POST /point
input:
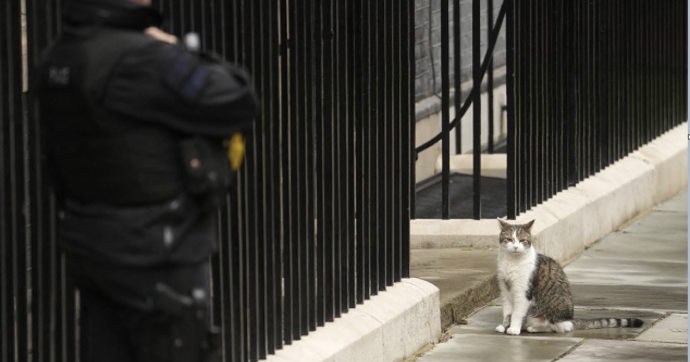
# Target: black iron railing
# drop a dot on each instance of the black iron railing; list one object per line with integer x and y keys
{"x": 589, "y": 82}
{"x": 319, "y": 221}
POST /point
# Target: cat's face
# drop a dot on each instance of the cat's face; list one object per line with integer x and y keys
{"x": 515, "y": 239}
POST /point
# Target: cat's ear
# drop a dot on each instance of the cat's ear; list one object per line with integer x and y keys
{"x": 528, "y": 226}
{"x": 504, "y": 225}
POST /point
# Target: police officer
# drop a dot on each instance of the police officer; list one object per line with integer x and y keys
{"x": 135, "y": 130}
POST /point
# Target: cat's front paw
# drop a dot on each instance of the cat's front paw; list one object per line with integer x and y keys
{"x": 531, "y": 329}
{"x": 500, "y": 328}
{"x": 514, "y": 331}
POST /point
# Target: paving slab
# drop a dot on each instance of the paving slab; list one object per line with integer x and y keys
{"x": 669, "y": 218}
{"x": 630, "y": 297}
{"x": 484, "y": 322}
{"x": 453, "y": 271}
{"x": 659, "y": 222}
{"x": 630, "y": 246}
{"x": 678, "y": 203}
{"x": 588, "y": 270}
{"x": 673, "y": 329}
{"x": 499, "y": 348}
{"x": 629, "y": 351}
{"x": 644, "y": 266}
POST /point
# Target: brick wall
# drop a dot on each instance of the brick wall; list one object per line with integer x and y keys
{"x": 428, "y": 43}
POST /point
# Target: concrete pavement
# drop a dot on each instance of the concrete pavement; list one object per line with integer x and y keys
{"x": 639, "y": 271}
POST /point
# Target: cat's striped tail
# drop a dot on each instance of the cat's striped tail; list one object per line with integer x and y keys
{"x": 597, "y": 323}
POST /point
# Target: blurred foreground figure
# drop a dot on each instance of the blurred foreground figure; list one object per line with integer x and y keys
{"x": 135, "y": 132}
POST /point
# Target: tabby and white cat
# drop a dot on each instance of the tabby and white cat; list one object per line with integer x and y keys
{"x": 536, "y": 293}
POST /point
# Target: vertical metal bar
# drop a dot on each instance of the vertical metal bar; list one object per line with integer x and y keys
{"x": 249, "y": 200}
{"x": 554, "y": 96}
{"x": 289, "y": 221}
{"x": 15, "y": 195}
{"x": 606, "y": 112}
{"x": 320, "y": 40}
{"x": 406, "y": 137}
{"x": 7, "y": 324}
{"x": 396, "y": 78}
{"x": 583, "y": 97}
{"x": 680, "y": 49}
{"x": 361, "y": 93}
{"x": 457, "y": 71}
{"x": 337, "y": 181}
{"x": 548, "y": 102}
{"x": 274, "y": 339}
{"x": 646, "y": 69}
{"x": 369, "y": 131}
{"x": 410, "y": 120}
{"x": 341, "y": 162}
{"x": 445, "y": 117}
{"x": 381, "y": 145}
{"x": 551, "y": 98}
{"x": 633, "y": 104}
{"x": 38, "y": 31}
{"x": 511, "y": 111}
{"x": 595, "y": 93}
{"x": 582, "y": 89}
{"x": 236, "y": 347}
{"x": 571, "y": 73}
{"x": 255, "y": 182}
{"x": 307, "y": 174}
{"x": 412, "y": 117}
{"x": 490, "y": 75}
{"x": 391, "y": 114}
{"x": 654, "y": 75}
{"x": 297, "y": 141}
{"x": 532, "y": 109}
{"x": 664, "y": 57}
{"x": 522, "y": 104}
{"x": 329, "y": 170}
{"x": 539, "y": 129}
{"x": 349, "y": 143}
{"x": 632, "y": 64}
{"x": 265, "y": 267}
{"x": 476, "y": 107}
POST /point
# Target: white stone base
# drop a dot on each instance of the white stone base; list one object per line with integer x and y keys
{"x": 390, "y": 327}
{"x": 583, "y": 214}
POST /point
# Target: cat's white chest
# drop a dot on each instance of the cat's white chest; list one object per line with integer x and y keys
{"x": 516, "y": 271}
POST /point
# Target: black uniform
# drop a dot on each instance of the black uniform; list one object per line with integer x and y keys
{"x": 119, "y": 109}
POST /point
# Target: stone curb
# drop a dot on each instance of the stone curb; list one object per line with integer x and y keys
{"x": 464, "y": 304}
{"x": 389, "y": 327}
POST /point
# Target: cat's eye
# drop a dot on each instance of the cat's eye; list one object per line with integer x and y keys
{"x": 523, "y": 241}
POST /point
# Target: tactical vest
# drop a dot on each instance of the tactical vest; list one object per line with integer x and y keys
{"x": 99, "y": 156}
